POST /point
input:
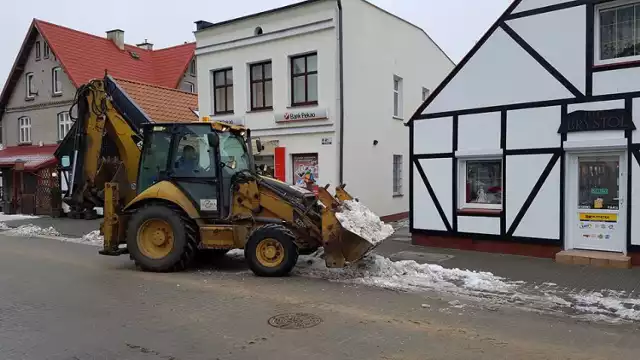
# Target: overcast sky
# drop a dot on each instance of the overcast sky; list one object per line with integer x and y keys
{"x": 454, "y": 24}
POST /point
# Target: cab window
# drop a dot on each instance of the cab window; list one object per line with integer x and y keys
{"x": 193, "y": 156}
{"x": 233, "y": 148}
{"x": 154, "y": 159}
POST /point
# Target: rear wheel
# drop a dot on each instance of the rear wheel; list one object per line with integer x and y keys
{"x": 160, "y": 240}
{"x": 271, "y": 251}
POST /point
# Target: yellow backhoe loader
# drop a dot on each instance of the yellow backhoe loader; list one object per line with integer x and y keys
{"x": 170, "y": 190}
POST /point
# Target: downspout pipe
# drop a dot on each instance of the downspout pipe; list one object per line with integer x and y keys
{"x": 341, "y": 66}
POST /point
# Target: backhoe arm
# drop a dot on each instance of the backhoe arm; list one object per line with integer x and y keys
{"x": 103, "y": 145}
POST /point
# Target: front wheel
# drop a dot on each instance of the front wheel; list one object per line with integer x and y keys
{"x": 159, "y": 241}
{"x": 271, "y": 251}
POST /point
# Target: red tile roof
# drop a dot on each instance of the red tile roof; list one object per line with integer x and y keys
{"x": 162, "y": 104}
{"x": 86, "y": 57}
{"x": 35, "y": 157}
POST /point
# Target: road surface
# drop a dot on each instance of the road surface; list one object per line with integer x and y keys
{"x": 63, "y": 301}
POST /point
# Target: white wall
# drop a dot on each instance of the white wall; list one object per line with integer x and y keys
{"x": 560, "y": 41}
{"x": 533, "y": 128}
{"x": 425, "y": 214}
{"x": 536, "y": 4}
{"x": 479, "y": 132}
{"x": 523, "y": 171}
{"x": 378, "y": 46}
{"x": 479, "y": 225}
{"x": 291, "y": 32}
{"x": 433, "y": 136}
{"x": 542, "y": 219}
{"x": 616, "y": 81}
{"x": 500, "y": 73}
{"x": 438, "y": 172}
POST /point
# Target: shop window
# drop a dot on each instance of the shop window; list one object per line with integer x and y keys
{"x": 616, "y": 31}
{"x": 598, "y": 183}
{"x": 24, "y": 123}
{"x": 397, "y": 175}
{"x": 223, "y": 91}
{"x": 261, "y": 84}
{"x": 480, "y": 184}
{"x": 64, "y": 124}
{"x": 304, "y": 79}
{"x": 397, "y": 97}
{"x": 305, "y": 170}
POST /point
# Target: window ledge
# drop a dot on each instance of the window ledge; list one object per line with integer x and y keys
{"x": 223, "y": 113}
{"x": 398, "y": 195}
{"x": 25, "y": 143}
{"x": 29, "y": 98}
{"x": 269, "y": 109}
{"x": 479, "y": 212}
{"x": 478, "y": 153}
{"x": 56, "y": 94}
{"x": 398, "y": 118}
{"x": 296, "y": 106}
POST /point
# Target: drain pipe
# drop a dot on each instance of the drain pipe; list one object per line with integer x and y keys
{"x": 341, "y": 65}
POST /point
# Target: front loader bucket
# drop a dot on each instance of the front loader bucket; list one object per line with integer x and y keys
{"x": 341, "y": 245}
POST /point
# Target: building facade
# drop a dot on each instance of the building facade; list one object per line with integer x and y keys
{"x": 324, "y": 90}
{"x": 36, "y": 100}
{"x": 530, "y": 145}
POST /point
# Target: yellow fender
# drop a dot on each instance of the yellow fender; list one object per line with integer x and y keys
{"x": 167, "y": 191}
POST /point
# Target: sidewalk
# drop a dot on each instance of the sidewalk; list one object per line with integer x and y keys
{"x": 535, "y": 272}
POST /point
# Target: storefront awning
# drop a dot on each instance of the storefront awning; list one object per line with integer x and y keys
{"x": 34, "y": 157}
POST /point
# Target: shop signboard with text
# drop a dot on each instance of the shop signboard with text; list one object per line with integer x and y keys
{"x": 302, "y": 115}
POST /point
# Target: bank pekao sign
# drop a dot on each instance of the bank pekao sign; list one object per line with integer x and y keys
{"x": 231, "y": 120}
{"x": 301, "y": 115}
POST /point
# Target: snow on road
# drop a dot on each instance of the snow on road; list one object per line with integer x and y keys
{"x": 407, "y": 275}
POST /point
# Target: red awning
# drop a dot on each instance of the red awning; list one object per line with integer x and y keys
{"x": 34, "y": 157}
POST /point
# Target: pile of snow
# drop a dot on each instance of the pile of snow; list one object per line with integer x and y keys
{"x": 92, "y": 238}
{"x": 606, "y": 306}
{"x": 4, "y": 226}
{"x": 31, "y": 230}
{"x": 361, "y": 221}
{"x": 405, "y": 275}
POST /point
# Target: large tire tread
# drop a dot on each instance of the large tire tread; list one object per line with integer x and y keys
{"x": 275, "y": 231}
{"x": 189, "y": 249}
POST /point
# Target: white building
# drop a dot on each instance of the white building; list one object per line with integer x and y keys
{"x": 325, "y": 85}
{"x": 529, "y": 146}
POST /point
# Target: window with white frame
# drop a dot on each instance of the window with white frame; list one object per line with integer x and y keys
{"x": 192, "y": 67}
{"x": 397, "y": 175}
{"x": 64, "y": 124}
{"x": 56, "y": 80}
{"x": 617, "y": 28}
{"x": 425, "y": 93}
{"x": 30, "y": 86}
{"x": 190, "y": 87}
{"x": 480, "y": 183}
{"x": 397, "y": 96}
{"x": 24, "y": 123}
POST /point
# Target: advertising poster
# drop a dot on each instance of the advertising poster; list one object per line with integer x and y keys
{"x": 305, "y": 170}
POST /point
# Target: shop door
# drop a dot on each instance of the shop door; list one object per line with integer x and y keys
{"x": 596, "y": 188}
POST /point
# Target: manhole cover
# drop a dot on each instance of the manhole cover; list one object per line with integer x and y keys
{"x": 295, "y": 321}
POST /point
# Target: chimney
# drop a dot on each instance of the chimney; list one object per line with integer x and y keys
{"x": 145, "y": 45}
{"x": 117, "y": 36}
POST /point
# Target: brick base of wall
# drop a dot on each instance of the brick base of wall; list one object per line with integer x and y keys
{"x": 395, "y": 217}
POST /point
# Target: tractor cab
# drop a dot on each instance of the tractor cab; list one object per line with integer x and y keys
{"x": 199, "y": 158}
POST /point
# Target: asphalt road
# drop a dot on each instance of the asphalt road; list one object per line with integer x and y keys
{"x": 64, "y": 301}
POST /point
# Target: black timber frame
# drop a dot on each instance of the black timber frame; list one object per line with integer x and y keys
{"x": 558, "y": 153}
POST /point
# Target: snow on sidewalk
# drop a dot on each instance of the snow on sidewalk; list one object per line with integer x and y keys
{"x": 10, "y": 217}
